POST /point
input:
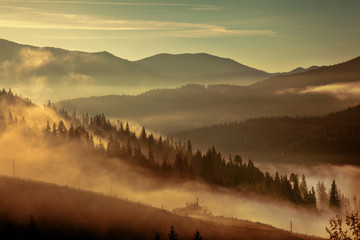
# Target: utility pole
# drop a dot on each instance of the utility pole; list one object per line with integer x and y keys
{"x": 290, "y": 226}
{"x": 13, "y": 167}
{"x": 111, "y": 188}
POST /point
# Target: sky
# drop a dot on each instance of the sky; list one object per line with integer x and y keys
{"x": 274, "y": 36}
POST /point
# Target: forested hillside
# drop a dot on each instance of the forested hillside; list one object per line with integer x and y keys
{"x": 280, "y": 138}
{"x": 166, "y": 158}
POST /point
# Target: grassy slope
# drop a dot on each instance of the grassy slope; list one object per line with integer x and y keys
{"x": 60, "y": 206}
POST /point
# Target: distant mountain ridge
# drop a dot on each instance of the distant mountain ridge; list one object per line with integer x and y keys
{"x": 56, "y": 67}
{"x": 296, "y": 70}
{"x": 345, "y": 72}
{"x": 61, "y": 66}
{"x": 193, "y": 65}
{"x": 194, "y": 105}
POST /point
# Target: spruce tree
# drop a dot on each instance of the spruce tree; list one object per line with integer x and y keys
{"x": 303, "y": 189}
{"x": 172, "y": 234}
{"x": 334, "y": 201}
{"x": 143, "y": 136}
{"x": 197, "y": 235}
{"x": 47, "y": 128}
{"x": 322, "y": 196}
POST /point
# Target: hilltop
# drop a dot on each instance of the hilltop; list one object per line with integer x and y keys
{"x": 203, "y": 68}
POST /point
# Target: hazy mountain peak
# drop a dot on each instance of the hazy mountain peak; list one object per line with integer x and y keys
{"x": 192, "y": 65}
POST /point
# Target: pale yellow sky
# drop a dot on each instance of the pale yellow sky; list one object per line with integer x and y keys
{"x": 276, "y": 36}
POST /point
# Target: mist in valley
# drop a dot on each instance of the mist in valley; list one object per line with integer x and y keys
{"x": 237, "y": 119}
{"x": 37, "y": 157}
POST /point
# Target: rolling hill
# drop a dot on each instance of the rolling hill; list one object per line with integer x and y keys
{"x": 58, "y": 212}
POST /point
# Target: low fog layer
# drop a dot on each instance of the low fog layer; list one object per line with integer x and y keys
{"x": 71, "y": 164}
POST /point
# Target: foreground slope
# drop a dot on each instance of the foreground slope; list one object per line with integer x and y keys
{"x": 59, "y": 212}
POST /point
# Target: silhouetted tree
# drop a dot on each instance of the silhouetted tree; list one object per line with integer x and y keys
{"x": 197, "y": 235}
{"x": 336, "y": 230}
{"x": 303, "y": 189}
{"x": 238, "y": 160}
{"x": 334, "y": 201}
{"x": 294, "y": 180}
{"x": 61, "y": 128}
{"x": 71, "y": 132}
{"x": 312, "y": 198}
{"x": 172, "y": 234}
{"x": 127, "y": 129}
{"x": 47, "y": 128}
{"x": 353, "y": 221}
{"x": 143, "y": 136}
{"x": 157, "y": 236}
{"x": 54, "y": 131}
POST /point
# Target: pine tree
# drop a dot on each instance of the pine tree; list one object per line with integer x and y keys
{"x": 47, "y": 128}
{"x": 127, "y": 129}
{"x": 312, "y": 197}
{"x": 238, "y": 160}
{"x": 334, "y": 201}
{"x": 296, "y": 195}
{"x": 143, "y": 136}
{"x": 304, "y": 189}
{"x": 322, "y": 196}
{"x": 172, "y": 234}
{"x": 61, "y": 128}
{"x": 54, "y": 131}
{"x": 71, "y": 132}
{"x": 197, "y": 235}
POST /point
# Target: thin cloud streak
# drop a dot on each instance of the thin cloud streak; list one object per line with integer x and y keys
{"x": 218, "y": 32}
{"x": 27, "y": 18}
{"x": 340, "y": 90}
{"x": 140, "y": 4}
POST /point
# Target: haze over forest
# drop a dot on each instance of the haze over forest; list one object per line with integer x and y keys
{"x": 181, "y": 120}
